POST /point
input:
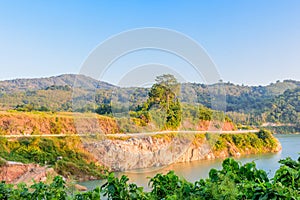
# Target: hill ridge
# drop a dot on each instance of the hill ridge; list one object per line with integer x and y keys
{"x": 32, "y": 84}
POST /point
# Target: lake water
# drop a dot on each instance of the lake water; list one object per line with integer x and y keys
{"x": 193, "y": 171}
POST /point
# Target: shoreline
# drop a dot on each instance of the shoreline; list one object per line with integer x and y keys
{"x": 160, "y": 150}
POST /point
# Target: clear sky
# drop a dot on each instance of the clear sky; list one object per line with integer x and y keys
{"x": 253, "y": 42}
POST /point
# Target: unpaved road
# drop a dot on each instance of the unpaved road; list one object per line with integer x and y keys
{"x": 132, "y": 134}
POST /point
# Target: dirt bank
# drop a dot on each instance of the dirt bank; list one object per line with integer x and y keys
{"x": 15, "y": 172}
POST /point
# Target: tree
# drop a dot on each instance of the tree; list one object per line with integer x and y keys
{"x": 174, "y": 115}
{"x": 104, "y": 109}
{"x": 164, "y": 93}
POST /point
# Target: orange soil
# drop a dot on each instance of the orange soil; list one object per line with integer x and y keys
{"x": 15, "y": 123}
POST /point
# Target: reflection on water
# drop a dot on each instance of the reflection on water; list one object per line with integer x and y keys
{"x": 193, "y": 171}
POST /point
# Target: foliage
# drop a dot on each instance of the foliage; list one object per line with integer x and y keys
{"x": 75, "y": 162}
{"x": 248, "y": 105}
{"x": 174, "y": 117}
{"x": 104, "y": 109}
{"x": 169, "y": 185}
{"x": 2, "y": 162}
{"x": 116, "y": 188}
{"x": 245, "y": 143}
{"x": 142, "y": 117}
{"x": 164, "y": 93}
{"x": 251, "y": 106}
{"x": 286, "y": 107}
{"x": 162, "y": 98}
{"x": 56, "y": 126}
{"x": 56, "y": 190}
{"x": 283, "y": 129}
{"x": 234, "y": 181}
{"x": 205, "y": 114}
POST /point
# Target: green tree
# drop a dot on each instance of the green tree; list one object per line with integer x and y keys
{"x": 174, "y": 115}
{"x": 104, "y": 109}
{"x": 164, "y": 93}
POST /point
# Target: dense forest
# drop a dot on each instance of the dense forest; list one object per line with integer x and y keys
{"x": 275, "y": 106}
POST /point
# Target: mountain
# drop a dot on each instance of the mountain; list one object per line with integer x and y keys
{"x": 286, "y": 107}
{"x": 277, "y": 102}
{"x": 240, "y": 98}
{"x": 24, "y": 85}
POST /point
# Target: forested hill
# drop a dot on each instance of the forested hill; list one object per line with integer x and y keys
{"x": 66, "y": 80}
{"x": 276, "y": 102}
{"x": 286, "y": 107}
{"x": 19, "y": 85}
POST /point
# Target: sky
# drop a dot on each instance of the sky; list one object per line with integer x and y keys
{"x": 251, "y": 42}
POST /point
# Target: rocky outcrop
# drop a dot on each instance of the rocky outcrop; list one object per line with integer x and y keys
{"x": 152, "y": 151}
{"x": 80, "y": 187}
{"x": 134, "y": 153}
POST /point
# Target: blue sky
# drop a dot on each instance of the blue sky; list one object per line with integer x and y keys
{"x": 252, "y": 42}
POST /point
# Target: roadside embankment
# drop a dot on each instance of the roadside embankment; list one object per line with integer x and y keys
{"x": 35, "y": 123}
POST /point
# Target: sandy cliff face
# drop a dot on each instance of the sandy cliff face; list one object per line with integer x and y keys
{"x": 135, "y": 153}
{"x": 151, "y": 151}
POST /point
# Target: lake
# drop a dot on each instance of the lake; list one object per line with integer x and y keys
{"x": 193, "y": 171}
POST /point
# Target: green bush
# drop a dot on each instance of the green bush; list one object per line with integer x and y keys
{"x": 55, "y": 127}
{"x": 233, "y": 181}
{"x": 2, "y": 162}
{"x": 263, "y": 134}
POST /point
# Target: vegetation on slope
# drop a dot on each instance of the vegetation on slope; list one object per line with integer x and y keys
{"x": 225, "y": 145}
{"x": 164, "y": 110}
{"x": 69, "y": 158}
{"x": 286, "y": 108}
{"x": 18, "y": 85}
{"x": 248, "y": 105}
{"x": 233, "y": 181}
{"x": 250, "y": 143}
{"x": 66, "y": 155}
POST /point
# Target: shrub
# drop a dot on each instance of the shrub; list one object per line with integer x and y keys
{"x": 233, "y": 181}
{"x": 2, "y": 162}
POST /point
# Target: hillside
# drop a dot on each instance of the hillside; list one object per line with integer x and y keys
{"x": 24, "y": 85}
{"x": 65, "y": 82}
{"x": 240, "y": 98}
{"x": 250, "y": 105}
{"x": 286, "y": 107}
